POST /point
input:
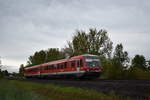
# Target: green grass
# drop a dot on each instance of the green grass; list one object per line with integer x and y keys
{"x": 10, "y": 91}
{"x": 17, "y": 90}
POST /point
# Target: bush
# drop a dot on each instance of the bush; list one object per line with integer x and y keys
{"x": 112, "y": 71}
{"x": 137, "y": 73}
{"x": 1, "y": 75}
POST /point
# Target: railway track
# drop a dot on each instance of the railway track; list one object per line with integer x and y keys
{"x": 132, "y": 88}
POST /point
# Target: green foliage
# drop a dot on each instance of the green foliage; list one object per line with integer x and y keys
{"x": 53, "y": 54}
{"x": 9, "y": 91}
{"x": 44, "y": 56}
{"x": 138, "y": 73}
{"x": 148, "y": 65}
{"x": 80, "y": 43}
{"x": 120, "y": 57}
{"x": 68, "y": 50}
{"x": 111, "y": 70}
{"x": 56, "y": 92}
{"x": 139, "y": 62}
{"x": 115, "y": 68}
{"x": 37, "y": 58}
{"x": 21, "y": 70}
{"x": 1, "y": 74}
{"x": 98, "y": 43}
{"x": 92, "y": 42}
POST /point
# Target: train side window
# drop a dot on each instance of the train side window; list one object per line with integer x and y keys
{"x": 35, "y": 70}
{"x": 62, "y": 65}
{"x": 58, "y": 66}
{"x": 45, "y": 68}
{"x": 65, "y": 64}
{"x": 52, "y": 67}
{"x": 78, "y": 63}
{"x": 81, "y": 62}
{"x": 72, "y": 63}
{"x": 49, "y": 67}
{"x": 28, "y": 70}
{"x": 55, "y": 66}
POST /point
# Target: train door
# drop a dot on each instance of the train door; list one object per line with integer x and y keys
{"x": 78, "y": 65}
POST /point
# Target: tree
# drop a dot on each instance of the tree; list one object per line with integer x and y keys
{"x": 120, "y": 57}
{"x": 5, "y": 73}
{"x": 37, "y": 58}
{"x": 1, "y": 74}
{"x": 21, "y": 70}
{"x": 139, "y": 62}
{"x": 148, "y": 65}
{"x": 92, "y": 42}
{"x": 0, "y": 65}
{"x": 116, "y": 65}
{"x": 67, "y": 50}
{"x": 53, "y": 54}
{"x": 99, "y": 43}
{"x": 44, "y": 56}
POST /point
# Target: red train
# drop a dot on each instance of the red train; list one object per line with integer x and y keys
{"x": 86, "y": 65}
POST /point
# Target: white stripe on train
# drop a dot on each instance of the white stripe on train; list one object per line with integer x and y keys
{"x": 59, "y": 73}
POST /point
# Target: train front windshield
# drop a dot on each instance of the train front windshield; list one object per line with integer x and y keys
{"x": 92, "y": 61}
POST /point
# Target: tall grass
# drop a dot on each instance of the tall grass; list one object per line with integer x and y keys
{"x": 17, "y": 90}
{"x": 9, "y": 91}
{"x": 67, "y": 93}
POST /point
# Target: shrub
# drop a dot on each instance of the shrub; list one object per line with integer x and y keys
{"x": 138, "y": 73}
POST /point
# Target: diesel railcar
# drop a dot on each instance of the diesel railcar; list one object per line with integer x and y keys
{"x": 81, "y": 66}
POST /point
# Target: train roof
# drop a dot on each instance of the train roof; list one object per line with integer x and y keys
{"x": 89, "y": 55}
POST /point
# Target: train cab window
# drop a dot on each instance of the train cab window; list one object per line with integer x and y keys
{"x": 72, "y": 64}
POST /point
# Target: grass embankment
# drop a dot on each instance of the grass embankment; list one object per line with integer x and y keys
{"x": 10, "y": 91}
{"x": 17, "y": 90}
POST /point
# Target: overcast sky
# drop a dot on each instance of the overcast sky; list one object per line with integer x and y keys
{"x": 27, "y": 26}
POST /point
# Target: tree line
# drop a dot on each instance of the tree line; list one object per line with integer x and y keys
{"x": 115, "y": 60}
{"x": 3, "y": 72}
